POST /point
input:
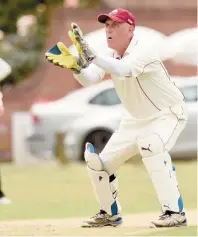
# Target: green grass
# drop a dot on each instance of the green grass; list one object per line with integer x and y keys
{"x": 55, "y": 191}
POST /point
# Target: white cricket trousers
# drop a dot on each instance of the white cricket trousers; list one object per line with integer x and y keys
{"x": 123, "y": 143}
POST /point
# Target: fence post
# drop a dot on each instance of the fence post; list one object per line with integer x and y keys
{"x": 59, "y": 149}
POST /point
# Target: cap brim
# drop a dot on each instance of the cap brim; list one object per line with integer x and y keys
{"x": 102, "y": 18}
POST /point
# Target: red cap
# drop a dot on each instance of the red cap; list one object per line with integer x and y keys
{"x": 118, "y": 15}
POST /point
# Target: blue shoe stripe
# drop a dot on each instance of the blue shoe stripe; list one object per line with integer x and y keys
{"x": 114, "y": 208}
{"x": 173, "y": 167}
{"x": 180, "y": 204}
{"x": 180, "y": 201}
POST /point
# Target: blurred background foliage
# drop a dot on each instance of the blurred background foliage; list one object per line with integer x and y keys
{"x": 23, "y": 52}
{"x": 11, "y": 10}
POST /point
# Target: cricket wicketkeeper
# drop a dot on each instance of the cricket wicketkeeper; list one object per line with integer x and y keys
{"x": 157, "y": 115}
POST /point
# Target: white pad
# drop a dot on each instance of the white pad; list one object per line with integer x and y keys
{"x": 93, "y": 160}
{"x": 106, "y": 191}
{"x": 164, "y": 181}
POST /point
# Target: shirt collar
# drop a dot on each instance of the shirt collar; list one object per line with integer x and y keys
{"x": 131, "y": 45}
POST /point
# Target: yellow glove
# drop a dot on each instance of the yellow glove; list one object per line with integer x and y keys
{"x": 73, "y": 36}
{"x": 59, "y": 55}
{"x": 86, "y": 55}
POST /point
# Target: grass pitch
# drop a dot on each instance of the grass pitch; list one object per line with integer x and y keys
{"x": 60, "y": 192}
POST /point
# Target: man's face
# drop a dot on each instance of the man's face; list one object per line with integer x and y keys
{"x": 117, "y": 34}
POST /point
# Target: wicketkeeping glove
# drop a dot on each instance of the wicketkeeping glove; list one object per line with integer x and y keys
{"x": 59, "y": 55}
{"x": 86, "y": 55}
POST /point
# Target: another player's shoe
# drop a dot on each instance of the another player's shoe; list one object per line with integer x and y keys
{"x": 103, "y": 219}
{"x": 5, "y": 201}
{"x": 170, "y": 219}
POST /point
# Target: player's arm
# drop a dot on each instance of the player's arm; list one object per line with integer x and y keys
{"x": 113, "y": 66}
{"x": 129, "y": 65}
{"x": 105, "y": 63}
{"x": 90, "y": 75}
{"x": 134, "y": 64}
{"x": 1, "y": 104}
{"x": 5, "y": 69}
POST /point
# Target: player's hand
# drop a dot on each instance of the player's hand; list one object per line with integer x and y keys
{"x": 1, "y": 104}
{"x": 59, "y": 55}
{"x": 86, "y": 54}
{"x": 76, "y": 36}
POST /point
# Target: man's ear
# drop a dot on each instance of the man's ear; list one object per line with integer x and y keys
{"x": 131, "y": 30}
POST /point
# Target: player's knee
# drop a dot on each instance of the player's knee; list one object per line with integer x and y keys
{"x": 150, "y": 145}
{"x": 93, "y": 160}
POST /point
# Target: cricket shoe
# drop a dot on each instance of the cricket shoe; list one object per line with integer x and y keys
{"x": 5, "y": 201}
{"x": 103, "y": 219}
{"x": 170, "y": 219}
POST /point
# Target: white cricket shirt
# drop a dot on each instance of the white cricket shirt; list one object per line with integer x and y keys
{"x": 146, "y": 91}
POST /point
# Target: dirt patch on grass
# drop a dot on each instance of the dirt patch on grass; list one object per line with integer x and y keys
{"x": 136, "y": 224}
